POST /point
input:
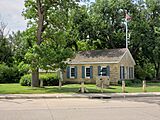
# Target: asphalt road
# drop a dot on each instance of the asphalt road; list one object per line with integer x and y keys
{"x": 80, "y": 109}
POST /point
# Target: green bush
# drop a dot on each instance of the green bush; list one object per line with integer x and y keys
{"x": 49, "y": 79}
{"x": 131, "y": 82}
{"x": 9, "y": 74}
{"x": 147, "y": 72}
{"x": 25, "y": 80}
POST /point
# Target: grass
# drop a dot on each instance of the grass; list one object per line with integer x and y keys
{"x": 71, "y": 88}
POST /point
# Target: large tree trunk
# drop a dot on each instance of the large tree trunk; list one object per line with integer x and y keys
{"x": 40, "y": 29}
{"x": 35, "y": 78}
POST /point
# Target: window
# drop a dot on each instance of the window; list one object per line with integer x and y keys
{"x": 104, "y": 71}
{"x": 72, "y": 75}
{"x": 71, "y": 72}
{"x": 127, "y": 72}
{"x": 131, "y": 72}
{"x": 88, "y": 71}
{"x": 122, "y": 72}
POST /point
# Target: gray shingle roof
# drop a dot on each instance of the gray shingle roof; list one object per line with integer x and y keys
{"x": 105, "y": 55}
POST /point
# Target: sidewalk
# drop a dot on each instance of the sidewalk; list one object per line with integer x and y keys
{"x": 85, "y": 95}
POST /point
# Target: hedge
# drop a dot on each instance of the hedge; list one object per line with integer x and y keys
{"x": 49, "y": 79}
{"x": 131, "y": 82}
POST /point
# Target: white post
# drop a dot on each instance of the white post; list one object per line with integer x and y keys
{"x": 102, "y": 86}
{"x": 41, "y": 83}
{"x": 144, "y": 86}
{"x": 60, "y": 78}
{"x": 123, "y": 86}
{"x": 126, "y": 33}
{"x": 60, "y": 83}
{"x": 82, "y": 86}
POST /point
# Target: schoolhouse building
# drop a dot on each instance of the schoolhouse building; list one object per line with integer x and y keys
{"x": 117, "y": 64}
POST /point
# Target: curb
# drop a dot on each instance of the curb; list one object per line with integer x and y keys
{"x": 89, "y": 96}
{"x": 132, "y": 96}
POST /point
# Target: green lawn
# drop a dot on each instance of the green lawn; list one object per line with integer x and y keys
{"x": 70, "y": 88}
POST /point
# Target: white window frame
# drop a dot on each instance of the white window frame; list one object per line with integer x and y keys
{"x": 85, "y": 71}
{"x": 104, "y": 67}
{"x": 70, "y": 72}
{"x": 127, "y": 72}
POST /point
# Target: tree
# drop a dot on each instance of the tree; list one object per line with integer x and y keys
{"x": 5, "y": 51}
{"x": 50, "y": 21}
{"x": 101, "y": 25}
{"x": 151, "y": 46}
{"x": 19, "y": 44}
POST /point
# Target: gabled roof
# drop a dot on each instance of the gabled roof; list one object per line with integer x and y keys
{"x": 99, "y": 56}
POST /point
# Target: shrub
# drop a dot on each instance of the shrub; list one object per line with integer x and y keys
{"x": 25, "y": 80}
{"x": 9, "y": 74}
{"x": 131, "y": 82}
{"x": 49, "y": 79}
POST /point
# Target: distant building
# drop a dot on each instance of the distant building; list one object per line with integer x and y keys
{"x": 118, "y": 64}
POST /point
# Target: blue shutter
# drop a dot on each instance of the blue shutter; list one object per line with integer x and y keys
{"x": 75, "y": 68}
{"x": 129, "y": 72}
{"x": 121, "y": 72}
{"x": 108, "y": 71}
{"x": 91, "y": 71}
{"x": 83, "y": 71}
{"x": 99, "y": 69}
{"x": 132, "y": 72}
{"x": 68, "y": 72}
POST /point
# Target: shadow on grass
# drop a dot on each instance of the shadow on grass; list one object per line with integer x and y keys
{"x": 111, "y": 88}
{"x": 67, "y": 89}
{"x": 98, "y": 91}
{"x": 55, "y": 89}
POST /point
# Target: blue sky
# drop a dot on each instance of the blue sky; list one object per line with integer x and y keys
{"x": 10, "y": 13}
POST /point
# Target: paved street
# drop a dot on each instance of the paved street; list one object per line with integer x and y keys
{"x": 80, "y": 109}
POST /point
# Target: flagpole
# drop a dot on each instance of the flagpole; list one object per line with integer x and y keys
{"x": 126, "y": 34}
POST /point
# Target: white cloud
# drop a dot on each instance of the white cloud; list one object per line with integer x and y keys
{"x": 10, "y": 12}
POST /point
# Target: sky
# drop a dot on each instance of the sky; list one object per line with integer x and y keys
{"x": 11, "y": 14}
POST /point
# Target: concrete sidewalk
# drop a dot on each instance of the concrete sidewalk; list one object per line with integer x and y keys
{"x": 85, "y": 95}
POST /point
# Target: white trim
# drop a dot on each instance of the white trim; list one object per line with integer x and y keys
{"x": 104, "y": 66}
{"x": 85, "y": 71}
{"x": 70, "y": 72}
{"x": 127, "y": 72}
{"x": 123, "y": 73}
{"x": 121, "y": 65}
